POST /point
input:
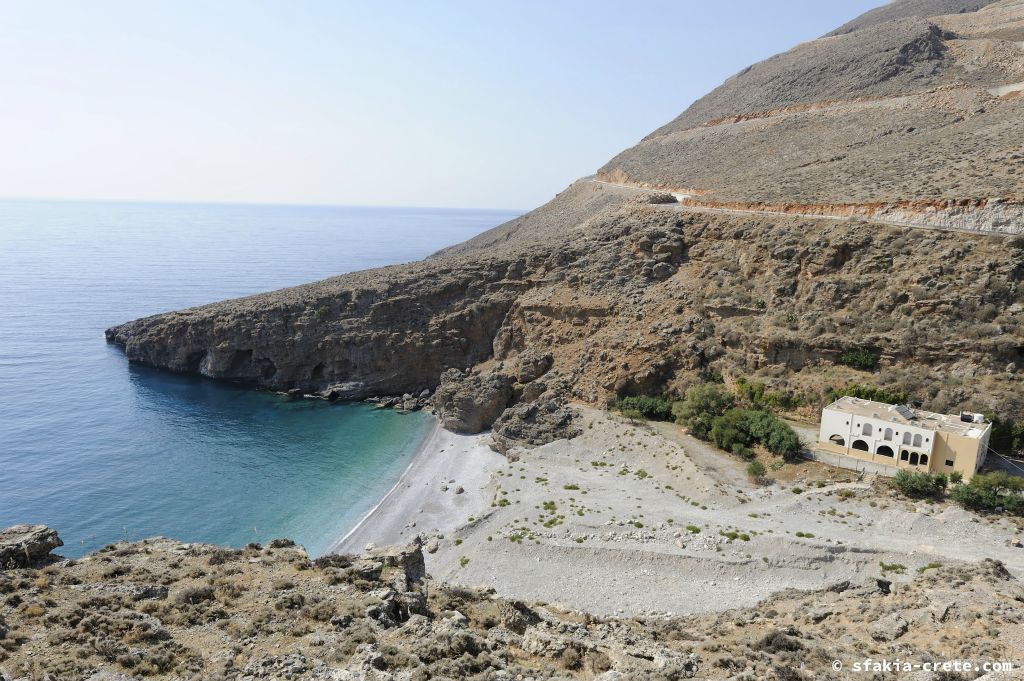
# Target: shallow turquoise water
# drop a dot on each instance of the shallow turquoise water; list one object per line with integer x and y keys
{"x": 102, "y": 450}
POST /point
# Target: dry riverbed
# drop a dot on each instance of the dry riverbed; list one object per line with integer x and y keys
{"x": 642, "y": 519}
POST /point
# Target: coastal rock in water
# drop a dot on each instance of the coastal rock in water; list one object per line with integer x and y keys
{"x": 26, "y": 545}
{"x": 470, "y": 403}
{"x": 534, "y": 424}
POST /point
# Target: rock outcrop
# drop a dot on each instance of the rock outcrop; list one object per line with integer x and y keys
{"x": 271, "y": 612}
{"x": 469, "y": 403}
{"x": 27, "y": 545}
{"x": 533, "y": 423}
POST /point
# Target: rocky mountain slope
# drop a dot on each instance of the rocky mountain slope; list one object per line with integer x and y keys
{"x": 165, "y": 610}
{"x": 630, "y": 292}
{"x": 925, "y": 112}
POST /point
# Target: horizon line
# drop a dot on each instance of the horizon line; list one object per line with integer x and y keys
{"x": 266, "y": 204}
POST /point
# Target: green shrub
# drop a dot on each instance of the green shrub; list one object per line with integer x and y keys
{"x": 920, "y": 485}
{"x": 867, "y": 392}
{"x": 654, "y": 408}
{"x": 989, "y": 492}
{"x": 709, "y": 412}
{"x": 729, "y": 431}
{"x": 633, "y": 414}
{"x": 776, "y": 435}
{"x": 756, "y": 395}
{"x": 898, "y": 568}
{"x": 703, "y": 402}
{"x": 860, "y": 358}
{"x": 756, "y": 470}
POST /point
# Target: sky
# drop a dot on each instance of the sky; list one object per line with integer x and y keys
{"x": 444, "y": 103}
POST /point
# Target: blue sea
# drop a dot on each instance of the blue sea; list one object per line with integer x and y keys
{"x": 102, "y": 450}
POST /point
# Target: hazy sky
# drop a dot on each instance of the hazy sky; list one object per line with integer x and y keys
{"x": 462, "y": 104}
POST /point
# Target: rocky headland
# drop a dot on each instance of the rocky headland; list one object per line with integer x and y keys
{"x": 886, "y": 123}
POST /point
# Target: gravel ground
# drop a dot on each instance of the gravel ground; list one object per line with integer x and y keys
{"x": 615, "y": 540}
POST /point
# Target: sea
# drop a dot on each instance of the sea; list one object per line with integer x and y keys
{"x": 103, "y": 450}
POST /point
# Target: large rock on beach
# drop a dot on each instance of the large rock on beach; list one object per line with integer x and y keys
{"x": 469, "y": 403}
{"x": 533, "y": 424}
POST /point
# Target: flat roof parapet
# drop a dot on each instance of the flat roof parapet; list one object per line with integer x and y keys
{"x": 898, "y": 413}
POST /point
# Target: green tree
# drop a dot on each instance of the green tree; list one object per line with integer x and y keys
{"x": 729, "y": 432}
{"x": 992, "y": 491}
{"x": 654, "y": 408}
{"x": 703, "y": 402}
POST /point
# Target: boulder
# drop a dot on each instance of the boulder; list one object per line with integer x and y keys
{"x": 533, "y": 365}
{"x": 469, "y": 403}
{"x": 534, "y": 424}
{"x": 889, "y": 628}
{"x": 26, "y": 545}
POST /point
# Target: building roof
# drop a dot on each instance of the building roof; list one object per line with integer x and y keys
{"x": 898, "y": 413}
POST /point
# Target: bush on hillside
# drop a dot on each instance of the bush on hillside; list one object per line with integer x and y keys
{"x": 860, "y": 358}
{"x": 867, "y": 392}
{"x": 920, "y": 485}
{"x": 755, "y": 394}
{"x": 653, "y": 408}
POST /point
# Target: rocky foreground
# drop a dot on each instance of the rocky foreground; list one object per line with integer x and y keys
{"x": 163, "y": 609}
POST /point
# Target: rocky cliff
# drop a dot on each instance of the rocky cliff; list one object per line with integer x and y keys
{"x": 166, "y": 610}
{"x": 893, "y": 118}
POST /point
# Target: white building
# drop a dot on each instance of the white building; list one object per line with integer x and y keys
{"x": 902, "y": 437}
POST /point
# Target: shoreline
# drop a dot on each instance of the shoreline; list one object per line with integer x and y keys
{"x": 424, "y": 500}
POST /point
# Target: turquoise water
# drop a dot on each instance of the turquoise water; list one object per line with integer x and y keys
{"x": 102, "y": 450}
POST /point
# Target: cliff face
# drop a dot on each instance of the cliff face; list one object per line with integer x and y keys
{"x": 630, "y": 294}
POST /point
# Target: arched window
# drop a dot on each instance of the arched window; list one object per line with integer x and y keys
{"x": 860, "y": 445}
{"x": 906, "y": 438}
{"x": 866, "y": 429}
{"x": 904, "y": 455}
{"x": 913, "y": 458}
{"x": 837, "y": 439}
{"x": 924, "y": 459}
{"x": 886, "y": 450}
{"x": 917, "y": 440}
{"x": 887, "y": 434}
